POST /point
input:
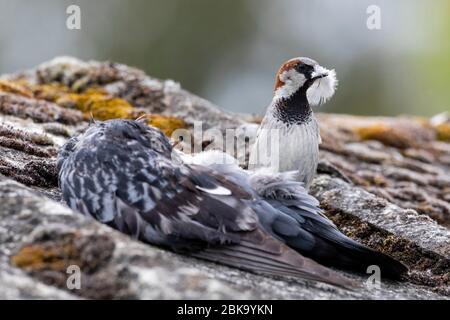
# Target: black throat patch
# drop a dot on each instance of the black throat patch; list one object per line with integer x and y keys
{"x": 295, "y": 109}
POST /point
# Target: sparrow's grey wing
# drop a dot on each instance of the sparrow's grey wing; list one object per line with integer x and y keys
{"x": 299, "y": 222}
{"x": 121, "y": 174}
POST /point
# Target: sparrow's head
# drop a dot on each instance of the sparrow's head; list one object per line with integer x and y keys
{"x": 304, "y": 74}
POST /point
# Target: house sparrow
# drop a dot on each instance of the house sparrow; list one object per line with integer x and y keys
{"x": 125, "y": 174}
{"x": 288, "y": 142}
{"x": 288, "y": 138}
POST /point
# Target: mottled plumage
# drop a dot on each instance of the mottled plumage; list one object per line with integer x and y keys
{"x": 124, "y": 174}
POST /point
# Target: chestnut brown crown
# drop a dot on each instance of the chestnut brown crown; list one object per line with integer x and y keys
{"x": 300, "y": 64}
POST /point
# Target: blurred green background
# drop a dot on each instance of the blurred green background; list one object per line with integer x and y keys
{"x": 228, "y": 50}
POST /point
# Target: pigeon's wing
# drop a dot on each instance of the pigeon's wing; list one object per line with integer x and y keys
{"x": 189, "y": 209}
{"x": 144, "y": 195}
{"x": 300, "y": 223}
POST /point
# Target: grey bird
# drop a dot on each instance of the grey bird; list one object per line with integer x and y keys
{"x": 125, "y": 174}
{"x": 288, "y": 141}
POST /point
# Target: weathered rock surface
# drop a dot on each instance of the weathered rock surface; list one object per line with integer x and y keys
{"x": 44, "y": 238}
{"x": 383, "y": 181}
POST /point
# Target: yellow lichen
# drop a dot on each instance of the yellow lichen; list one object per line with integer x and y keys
{"x": 50, "y": 92}
{"x": 92, "y": 102}
{"x": 443, "y": 131}
{"x": 166, "y": 124}
{"x": 100, "y": 105}
{"x": 15, "y": 87}
{"x": 39, "y": 257}
{"x": 401, "y": 135}
{"x": 372, "y": 132}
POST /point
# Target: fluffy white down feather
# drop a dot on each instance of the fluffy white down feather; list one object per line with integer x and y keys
{"x": 322, "y": 89}
{"x": 207, "y": 158}
{"x": 264, "y": 181}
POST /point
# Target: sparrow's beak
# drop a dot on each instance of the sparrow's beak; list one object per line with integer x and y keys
{"x": 318, "y": 76}
{"x": 319, "y": 72}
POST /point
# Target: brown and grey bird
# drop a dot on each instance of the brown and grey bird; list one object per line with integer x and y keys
{"x": 289, "y": 127}
{"x": 123, "y": 173}
{"x": 288, "y": 141}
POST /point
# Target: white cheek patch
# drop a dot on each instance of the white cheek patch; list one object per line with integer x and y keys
{"x": 292, "y": 82}
{"x": 322, "y": 89}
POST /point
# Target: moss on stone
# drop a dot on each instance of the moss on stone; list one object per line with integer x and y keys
{"x": 443, "y": 131}
{"x": 39, "y": 257}
{"x": 15, "y": 87}
{"x": 100, "y": 106}
{"x": 49, "y": 257}
{"x": 57, "y": 252}
{"x": 50, "y": 92}
{"x": 92, "y": 102}
{"x": 402, "y": 135}
{"x": 166, "y": 124}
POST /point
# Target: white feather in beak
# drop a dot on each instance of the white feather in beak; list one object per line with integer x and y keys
{"x": 323, "y": 88}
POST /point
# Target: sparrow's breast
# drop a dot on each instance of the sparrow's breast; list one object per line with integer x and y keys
{"x": 301, "y": 150}
{"x": 280, "y": 147}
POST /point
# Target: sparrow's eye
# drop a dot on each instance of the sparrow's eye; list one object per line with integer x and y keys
{"x": 303, "y": 68}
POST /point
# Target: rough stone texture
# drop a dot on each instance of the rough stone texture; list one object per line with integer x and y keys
{"x": 336, "y": 194}
{"x": 43, "y": 238}
{"x": 16, "y": 285}
{"x": 399, "y": 159}
{"x": 142, "y": 91}
{"x": 383, "y": 181}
